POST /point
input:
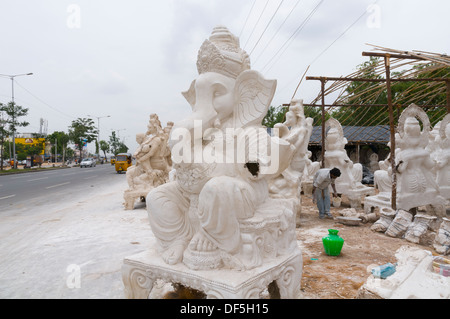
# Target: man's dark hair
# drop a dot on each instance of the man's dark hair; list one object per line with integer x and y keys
{"x": 335, "y": 171}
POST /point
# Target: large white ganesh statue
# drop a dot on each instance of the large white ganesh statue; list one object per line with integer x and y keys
{"x": 216, "y": 227}
{"x": 297, "y": 130}
{"x": 349, "y": 183}
{"x": 152, "y": 162}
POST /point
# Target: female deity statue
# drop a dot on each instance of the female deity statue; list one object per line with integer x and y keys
{"x": 336, "y": 156}
{"x": 416, "y": 184}
{"x": 288, "y": 183}
{"x": 443, "y": 160}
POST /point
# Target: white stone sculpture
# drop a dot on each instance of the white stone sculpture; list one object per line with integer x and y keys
{"x": 296, "y": 130}
{"x": 400, "y": 224}
{"x": 442, "y": 158}
{"x": 311, "y": 169}
{"x": 413, "y": 279}
{"x": 152, "y": 162}
{"x": 416, "y": 185}
{"x": 373, "y": 162}
{"x": 349, "y": 183}
{"x": 419, "y": 231}
{"x": 387, "y": 215}
{"x": 383, "y": 175}
{"x": 217, "y": 228}
{"x": 442, "y": 240}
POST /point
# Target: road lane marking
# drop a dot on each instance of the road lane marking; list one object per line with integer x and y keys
{"x": 90, "y": 177}
{"x": 37, "y": 179}
{"x": 7, "y": 197}
{"x": 57, "y": 185}
{"x": 70, "y": 174}
{"x": 18, "y": 177}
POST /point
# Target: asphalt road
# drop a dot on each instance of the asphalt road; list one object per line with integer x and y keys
{"x": 18, "y": 191}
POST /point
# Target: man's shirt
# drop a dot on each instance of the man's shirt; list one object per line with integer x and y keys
{"x": 322, "y": 178}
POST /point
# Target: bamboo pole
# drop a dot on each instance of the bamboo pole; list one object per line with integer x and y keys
{"x": 391, "y": 124}
{"x": 322, "y": 82}
{"x": 448, "y": 95}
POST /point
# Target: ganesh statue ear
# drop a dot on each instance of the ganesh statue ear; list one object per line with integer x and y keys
{"x": 253, "y": 94}
{"x": 189, "y": 95}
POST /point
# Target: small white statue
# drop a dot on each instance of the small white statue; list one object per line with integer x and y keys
{"x": 349, "y": 183}
{"x": 373, "y": 162}
{"x": 443, "y": 158}
{"x": 296, "y": 130}
{"x": 152, "y": 162}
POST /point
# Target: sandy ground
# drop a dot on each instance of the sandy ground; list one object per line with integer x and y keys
{"x": 340, "y": 277}
{"x": 75, "y": 249}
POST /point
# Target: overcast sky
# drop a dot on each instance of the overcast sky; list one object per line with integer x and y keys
{"x": 128, "y": 59}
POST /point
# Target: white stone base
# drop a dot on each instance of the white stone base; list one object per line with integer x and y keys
{"x": 140, "y": 271}
{"x": 380, "y": 201}
{"x": 130, "y": 197}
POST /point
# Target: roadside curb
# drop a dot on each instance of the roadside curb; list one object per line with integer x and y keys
{"x": 34, "y": 170}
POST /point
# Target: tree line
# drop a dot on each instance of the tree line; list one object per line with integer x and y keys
{"x": 81, "y": 132}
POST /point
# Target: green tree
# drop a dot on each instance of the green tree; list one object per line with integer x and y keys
{"x": 59, "y": 139}
{"x": 104, "y": 146}
{"x": 274, "y": 115}
{"x": 11, "y": 123}
{"x": 122, "y": 148}
{"x": 114, "y": 143}
{"x": 24, "y": 151}
{"x": 82, "y": 130}
{"x": 361, "y": 93}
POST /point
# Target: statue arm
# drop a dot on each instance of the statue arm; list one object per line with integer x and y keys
{"x": 153, "y": 149}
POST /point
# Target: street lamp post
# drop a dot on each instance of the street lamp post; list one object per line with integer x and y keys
{"x": 98, "y": 133}
{"x": 14, "y": 129}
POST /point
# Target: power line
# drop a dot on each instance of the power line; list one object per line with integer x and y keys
{"x": 254, "y": 27}
{"x": 300, "y": 28}
{"x": 246, "y": 20}
{"x": 273, "y": 15}
{"x": 334, "y": 41}
{"x": 341, "y": 35}
{"x": 43, "y": 102}
{"x": 270, "y": 41}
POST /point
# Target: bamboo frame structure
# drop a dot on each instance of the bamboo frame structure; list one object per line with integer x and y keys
{"x": 434, "y": 61}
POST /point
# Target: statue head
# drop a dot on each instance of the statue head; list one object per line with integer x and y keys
{"x": 154, "y": 125}
{"x": 226, "y": 93}
{"x": 140, "y": 138}
{"x": 295, "y": 115}
{"x": 412, "y": 127}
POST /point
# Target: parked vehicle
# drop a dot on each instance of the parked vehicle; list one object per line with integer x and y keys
{"x": 88, "y": 162}
{"x": 123, "y": 161}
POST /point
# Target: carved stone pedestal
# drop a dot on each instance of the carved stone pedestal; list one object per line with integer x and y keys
{"x": 140, "y": 271}
{"x": 382, "y": 200}
{"x": 354, "y": 195}
{"x": 130, "y": 197}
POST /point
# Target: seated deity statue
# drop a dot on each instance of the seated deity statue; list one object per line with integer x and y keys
{"x": 152, "y": 162}
{"x": 288, "y": 183}
{"x": 223, "y": 159}
{"x": 416, "y": 185}
{"x": 383, "y": 176}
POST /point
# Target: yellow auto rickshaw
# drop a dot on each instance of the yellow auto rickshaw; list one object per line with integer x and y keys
{"x": 113, "y": 160}
{"x": 123, "y": 161}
